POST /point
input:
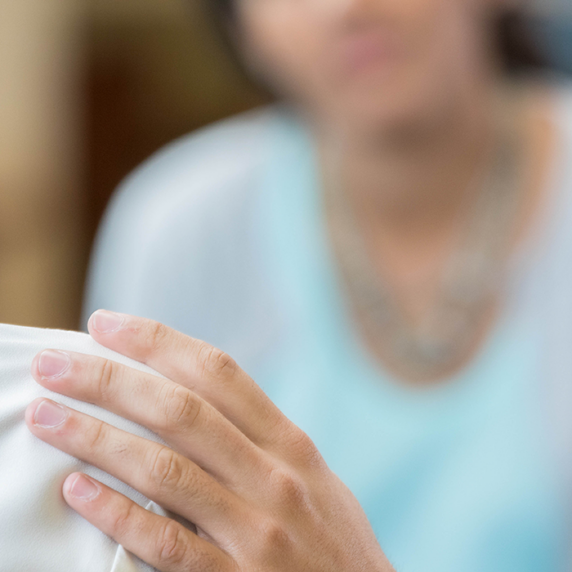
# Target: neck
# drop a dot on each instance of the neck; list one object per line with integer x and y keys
{"x": 412, "y": 178}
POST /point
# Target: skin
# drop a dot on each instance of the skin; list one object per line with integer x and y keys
{"x": 400, "y": 95}
{"x": 255, "y": 486}
{"x": 370, "y": 66}
{"x": 406, "y": 90}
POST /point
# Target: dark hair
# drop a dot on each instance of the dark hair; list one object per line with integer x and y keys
{"x": 517, "y": 43}
{"x": 514, "y": 38}
{"x": 223, "y": 7}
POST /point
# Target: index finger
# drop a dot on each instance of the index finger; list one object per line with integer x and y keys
{"x": 194, "y": 364}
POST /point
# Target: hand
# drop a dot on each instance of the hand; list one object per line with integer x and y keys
{"x": 255, "y": 486}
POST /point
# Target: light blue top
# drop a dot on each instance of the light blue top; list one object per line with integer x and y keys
{"x": 221, "y": 235}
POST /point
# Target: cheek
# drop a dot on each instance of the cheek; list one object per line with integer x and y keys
{"x": 443, "y": 34}
{"x": 283, "y": 46}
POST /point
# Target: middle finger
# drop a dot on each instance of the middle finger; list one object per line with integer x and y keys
{"x": 184, "y": 420}
{"x": 156, "y": 471}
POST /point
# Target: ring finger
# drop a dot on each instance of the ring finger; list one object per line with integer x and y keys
{"x": 159, "y": 541}
{"x": 155, "y": 470}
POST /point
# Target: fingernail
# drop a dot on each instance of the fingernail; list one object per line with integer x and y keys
{"x": 49, "y": 414}
{"x": 53, "y": 364}
{"x": 106, "y": 322}
{"x": 84, "y": 488}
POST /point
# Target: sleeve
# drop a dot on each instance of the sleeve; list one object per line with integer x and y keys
{"x": 128, "y": 247}
{"x": 176, "y": 242}
{"x": 119, "y": 254}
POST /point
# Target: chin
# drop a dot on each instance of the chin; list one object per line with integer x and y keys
{"x": 388, "y": 104}
{"x": 383, "y": 113}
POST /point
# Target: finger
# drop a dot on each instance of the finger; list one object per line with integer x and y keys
{"x": 182, "y": 418}
{"x": 161, "y": 542}
{"x": 155, "y": 470}
{"x": 198, "y": 366}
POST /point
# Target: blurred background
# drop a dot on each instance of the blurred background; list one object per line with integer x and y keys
{"x": 89, "y": 89}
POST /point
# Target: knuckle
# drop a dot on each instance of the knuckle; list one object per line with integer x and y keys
{"x": 289, "y": 489}
{"x": 274, "y": 538}
{"x": 96, "y": 436}
{"x": 125, "y": 522}
{"x": 167, "y": 470}
{"x": 215, "y": 362}
{"x": 182, "y": 409}
{"x": 106, "y": 375}
{"x": 305, "y": 450}
{"x": 171, "y": 544}
{"x": 158, "y": 334}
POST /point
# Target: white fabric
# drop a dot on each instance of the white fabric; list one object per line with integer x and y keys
{"x": 38, "y": 531}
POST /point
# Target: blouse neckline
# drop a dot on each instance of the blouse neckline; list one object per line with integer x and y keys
{"x": 307, "y": 265}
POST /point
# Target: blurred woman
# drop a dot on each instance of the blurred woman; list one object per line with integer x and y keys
{"x": 387, "y": 252}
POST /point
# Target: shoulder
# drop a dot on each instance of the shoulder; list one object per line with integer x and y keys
{"x": 184, "y": 222}
{"x": 562, "y": 88}
{"x": 197, "y": 189}
{"x": 562, "y": 121}
{"x": 206, "y": 166}
{"x": 550, "y": 246}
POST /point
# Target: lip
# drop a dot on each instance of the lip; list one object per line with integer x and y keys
{"x": 365, "y": 52}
